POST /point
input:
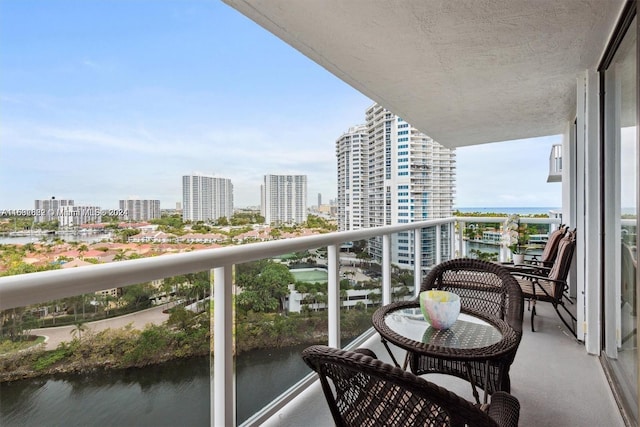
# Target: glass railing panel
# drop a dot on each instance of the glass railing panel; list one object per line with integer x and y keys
{"x": 136, "y": 355}
{"x": 280, "y": 308}
{"x": 360, "y": 290}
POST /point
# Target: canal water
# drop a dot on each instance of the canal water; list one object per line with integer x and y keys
{"x": 173, "y": 394}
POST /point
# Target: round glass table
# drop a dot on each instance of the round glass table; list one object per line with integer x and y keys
{"x": 474, "y": 337}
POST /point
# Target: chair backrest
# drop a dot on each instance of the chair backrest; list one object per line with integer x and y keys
{"x": 560, "y": 269}
{"x": 551, "y": 248}
{"x": 482, "y": 285}
{"x": 364, "y": 391}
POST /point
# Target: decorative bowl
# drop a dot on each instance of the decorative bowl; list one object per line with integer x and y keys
{"x": 440, "y": 308}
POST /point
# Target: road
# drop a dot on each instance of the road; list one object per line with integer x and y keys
{"x": 56, "y": 335}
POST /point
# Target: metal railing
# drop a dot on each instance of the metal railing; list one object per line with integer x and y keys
{"x": 33, "y": 288}
{"x": 555, "y": 164}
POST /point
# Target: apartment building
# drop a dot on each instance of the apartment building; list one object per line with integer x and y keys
{"x": 352, "y": 151}
{"x": 391, "y": 173}
{"x": 47, "y": 209}
{"x": 206, "y": 198}
{"x": 140, "y": 209}
{"x": 73, "y": 216}
{"x": 284, "y": 199}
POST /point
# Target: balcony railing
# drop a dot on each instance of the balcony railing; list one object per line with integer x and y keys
{"x": 28, "y": 289}
{"x": 555, "y": 164}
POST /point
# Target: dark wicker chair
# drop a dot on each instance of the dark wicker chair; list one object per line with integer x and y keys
{"x": 542, "y": 264}
{"x": 486, "y": 287}
{"x": 552, "y": 287}
{"x": 364, "y": 391}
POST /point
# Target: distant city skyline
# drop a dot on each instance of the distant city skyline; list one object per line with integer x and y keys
{"x": 97, "y": 107}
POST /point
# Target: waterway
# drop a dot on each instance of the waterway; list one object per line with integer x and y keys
{"x": 171, "y": 394}
{"x": 68, "y": 237}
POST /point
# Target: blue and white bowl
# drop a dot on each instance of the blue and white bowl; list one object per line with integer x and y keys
{"x": 440, "y": 308}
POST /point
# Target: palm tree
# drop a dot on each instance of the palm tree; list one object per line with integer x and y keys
{"x": 82, "y": 249}
{"x": 79, "y": 328}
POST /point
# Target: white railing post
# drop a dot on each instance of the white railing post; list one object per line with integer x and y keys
{"x": 223, "y": 390}
{"x": 438, "y": 244}
{"x": 461, "y": 227}
{"x": 333, "y": 300}
{"x": 386, "y": 269}
{"x": 452, "y": 241}
{"x": 417, "y": 261}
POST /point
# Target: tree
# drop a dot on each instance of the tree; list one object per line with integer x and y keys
{"x": 181, "y": 318}
{"x": 82, "y": 249}
{"x": 265, "y": 284}
{"x": 138, "y": 295}
{"x": 79, "y": 328}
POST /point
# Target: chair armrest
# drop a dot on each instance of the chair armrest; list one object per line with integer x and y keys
{"x": 504, "y": 409}
{"x": 521, "y": 268}
{"x": 536, "y": 277}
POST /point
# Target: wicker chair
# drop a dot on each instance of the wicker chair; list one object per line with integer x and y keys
{"x": 543, "y": 264}
{"x": 364, "y": 391}
{"x": 552, "y": 287}
{"x": 486, "y": 287}
{"x": 629, "y": 266}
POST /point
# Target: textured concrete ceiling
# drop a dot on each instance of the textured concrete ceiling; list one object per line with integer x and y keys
{"x": 464, "y": 72}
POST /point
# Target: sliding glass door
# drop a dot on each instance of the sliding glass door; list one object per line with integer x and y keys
{"x": 621, "y": 219}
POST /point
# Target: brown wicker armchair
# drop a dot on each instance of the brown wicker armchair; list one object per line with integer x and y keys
{"x": 364, "y": 391}
{"x": 552, "y": 287}
{"x": 543, "y": 264}
{"x": 486, "y": 287}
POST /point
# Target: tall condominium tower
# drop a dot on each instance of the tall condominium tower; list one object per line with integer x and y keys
{"x": 352, "y": 151}
{"x": 284, "y": 199}
{"x": 206, "y": 198}
{"x": 409, "y": 177}
{"x": 139, "y": 209}
{"x": 50, "y": 209}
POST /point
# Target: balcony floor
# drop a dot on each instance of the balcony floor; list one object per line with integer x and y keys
{"x": 555, "y": 380}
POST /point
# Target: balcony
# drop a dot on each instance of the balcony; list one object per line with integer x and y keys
{"x": 556, "y": 381}
{"x": 555, "y": 164}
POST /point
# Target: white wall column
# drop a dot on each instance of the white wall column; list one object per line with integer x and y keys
{"x": 587, "y": 172}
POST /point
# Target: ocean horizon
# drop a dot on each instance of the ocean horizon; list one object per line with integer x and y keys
{"x": 531, "y": 210}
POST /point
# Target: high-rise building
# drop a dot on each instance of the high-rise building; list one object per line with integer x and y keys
{"x": 72, "y": 216}
{"x": 284, "y": 199}
{"x": 50, "y": 209}
{"x": 140, "y": 209}
{"x": 352, "y": 150}
{"x": 206, "y": 198}
{"x": 402, "y": 177}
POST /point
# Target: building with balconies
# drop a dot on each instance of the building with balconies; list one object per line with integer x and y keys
{"x": 284, "y": 199}
{"x": 206, "y": 198}
{"x": 352, "y": 153}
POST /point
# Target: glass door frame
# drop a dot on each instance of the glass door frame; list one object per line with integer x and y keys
{"x": 610, "y": 217}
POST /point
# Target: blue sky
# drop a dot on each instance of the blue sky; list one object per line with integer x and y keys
{"x": 103, "y": 100}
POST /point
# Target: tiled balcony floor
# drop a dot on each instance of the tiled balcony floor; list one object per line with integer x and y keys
{"x": 555, "y": 380}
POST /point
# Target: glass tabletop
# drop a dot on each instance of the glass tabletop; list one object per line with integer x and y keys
{"x": 467, "y": 332}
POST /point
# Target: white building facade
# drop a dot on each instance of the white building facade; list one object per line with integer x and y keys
{"x": 284, "y": 199}
{"x": 72, "y": 216}
{"x": 352, "y": 151}
{"x": 140, "y": 209}
{"x": 47, "y": 209}
{"x": 206, "y": 198}
{"x": 397, "y": 175}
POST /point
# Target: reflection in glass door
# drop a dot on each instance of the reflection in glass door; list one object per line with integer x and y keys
{"x": 621, "y": 303}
